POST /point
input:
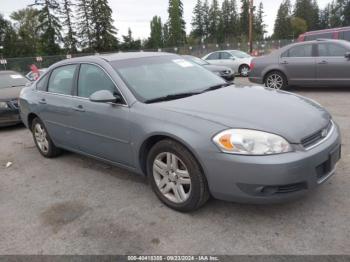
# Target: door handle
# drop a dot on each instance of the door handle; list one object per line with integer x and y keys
{"x": 42, "y": 101}
{"x": 323, "y": 62}
{"x": 284, "y": 63}
{"x": 79, "y": 108}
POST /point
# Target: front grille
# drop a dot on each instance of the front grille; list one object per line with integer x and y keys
{"x": 14, "y": 104}
{"x": 317, "y": 137}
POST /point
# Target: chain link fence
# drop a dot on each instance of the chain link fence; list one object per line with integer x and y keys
{"x": 22, "y": 64}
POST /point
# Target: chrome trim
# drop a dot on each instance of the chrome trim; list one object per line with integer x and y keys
{"x": 330, "y": 133}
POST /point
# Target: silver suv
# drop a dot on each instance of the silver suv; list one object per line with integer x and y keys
{"x": 314, "y": 63}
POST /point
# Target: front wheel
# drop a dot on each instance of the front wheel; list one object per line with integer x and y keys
{"x": 244, "y": 70}
{"x": 276, "y": 80}
{"x": 43, "y": 141}
{"x": 176, "y": 177}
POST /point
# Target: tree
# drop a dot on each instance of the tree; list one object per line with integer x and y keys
{"x": 176, "y": 23}
{"x": 49, "y": 26}
{"x": 325, "y": 17}
{"x": 206, "y": 20}
{"x": 84, "y": 22}
{"x": 104, "y": 33}
{"x": 308, "y": 10}
{"x": 299, "y": 26}
{"x": 197, "y": 21}
{"x": 230, "y": 19}
{"x": 70, "y": 40}
{"x": 215, "y": 26}
{"x": 26, "y": 24}
{"x": 283, "y": 28}
{"x": 129, "y": 43}
{"x": 259, "y": 26}
{"x": 8, "y": 38}
{"x": 346, "y": 11}
{"x": 156, "y": 39}
{"x": 166, "y": 35}
{"x": 244, "y": 17}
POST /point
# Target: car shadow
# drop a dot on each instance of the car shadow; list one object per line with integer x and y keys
{"x": 319, "y": 89}
{"x": 12, "y": 128}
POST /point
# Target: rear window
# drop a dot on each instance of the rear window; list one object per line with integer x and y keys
{"x": 345, "y": 35}
{"x": 12, "y": 79}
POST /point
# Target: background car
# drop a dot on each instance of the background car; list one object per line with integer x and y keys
{"x": 222, "y": 71}
{"x": 236, "y": 60}
{"x": 313, "y": 63}
{"x": 342, "y": 33}
{"x": 32, "y": 76}
{"x": 11, "y": 84}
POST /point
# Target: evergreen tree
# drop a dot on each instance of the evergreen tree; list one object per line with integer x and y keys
{"x": 335, "y": 17}
{"x": 104, "y": 32}
{"x": 70, "y": 40}
{"x": 259, "y": 26}
{"x": 197, "y": 21}
{"x": 166, "y": 35}
{"x": 283, "y": 29}
{"x": 176, "y": 23}
{"x": 206, "y": 19}
{"x": 156, "y": 39}
{"x": 129, "y": 44}
{"x": 244, "y": 17}
{"x": 84, "y": 22}
{"x": 215, "y": 22}
{"x": 50, "y": 26}
{"x": 325, "y": 17}
{"x": 307, "y": 10}
{"x": 8, "y": 38}
{"x": 346, "y": 12}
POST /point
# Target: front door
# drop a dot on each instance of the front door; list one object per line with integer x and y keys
{"x": 299, "y": 63}
{"x": 333, "y": 68}
{"x": 104, "y": 127}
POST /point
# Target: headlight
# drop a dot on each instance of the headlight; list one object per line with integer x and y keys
{"x": 251, "y": 142}
{"x": 3, "y": 105}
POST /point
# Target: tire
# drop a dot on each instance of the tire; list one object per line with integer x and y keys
{"x": 276, "y": 80}
{"x": 43, "y": 141}
{"x": 182, "y": 191}
{"x": 244, "y": 70}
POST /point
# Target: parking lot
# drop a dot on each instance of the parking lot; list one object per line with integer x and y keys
{"x": 75, "y": 205}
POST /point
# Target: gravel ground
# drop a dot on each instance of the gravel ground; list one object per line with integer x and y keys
{"x": 75, "y": 205}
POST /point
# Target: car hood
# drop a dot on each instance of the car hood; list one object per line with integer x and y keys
{"x": 10, "y": 93}
{"x": 290, "y": 116}
{"x": 215, "y": 68}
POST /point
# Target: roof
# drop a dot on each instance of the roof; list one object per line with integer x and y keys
{"x": 330, "y": 30}
{"x": 131, "y": 55}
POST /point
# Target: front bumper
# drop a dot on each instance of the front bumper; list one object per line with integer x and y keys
{"x": 229, "y": 78}
{"x": 256, "y": 80}
{"x": 9, "y": 117}
{"x": 270, "y": 179}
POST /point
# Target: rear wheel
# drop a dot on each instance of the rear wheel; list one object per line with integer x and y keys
{"x": 43, "y": 141}
{"x": 244, "y": 70}
{"x": 276, "y": 80}
{"x": 176, "y": 177}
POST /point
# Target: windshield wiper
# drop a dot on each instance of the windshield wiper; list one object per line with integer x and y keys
{"x": 171, "y": 97}
{"x": 212, "y": 88}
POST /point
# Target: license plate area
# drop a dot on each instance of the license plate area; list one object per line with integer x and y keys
{"x": 325, "y": 169}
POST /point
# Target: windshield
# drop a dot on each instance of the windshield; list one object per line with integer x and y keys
{"x": 12, "y": 79}
{"x": 154, "y": 77}
{"x": 197, "y": 60}
{"x": 239, "y": 54}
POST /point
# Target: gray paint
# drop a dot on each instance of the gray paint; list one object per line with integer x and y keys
{"x": 115, "y": 133}
{"x": 305, "y": 71}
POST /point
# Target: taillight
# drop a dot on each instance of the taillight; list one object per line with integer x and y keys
{"x": 252, "y": 65}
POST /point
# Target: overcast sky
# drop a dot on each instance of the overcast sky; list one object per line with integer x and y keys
{"x": 137, "y": 14}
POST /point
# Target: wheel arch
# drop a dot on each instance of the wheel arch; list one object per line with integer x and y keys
{"x": 153, "y": 139}
{"x": 30, "y": 119}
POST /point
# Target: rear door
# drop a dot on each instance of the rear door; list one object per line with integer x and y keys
{"x": 214, "y": 58}
{"x": 333, "y": 68}
{"x": 299, "y": 64}
{"x": 103, "y": 127}
{"x": 55, "y": 106}
{"x": 228, "y": 60}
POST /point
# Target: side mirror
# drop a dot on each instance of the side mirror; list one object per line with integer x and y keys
{"x": 233, "y": 58}
{"x": 347, "y": 55}
{"x": 104, "y": 96}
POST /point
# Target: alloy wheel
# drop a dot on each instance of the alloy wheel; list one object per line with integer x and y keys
{"x": 41, "y": 138}
{"x": 274, "y": 81}
{"x": 172, "y": 177}
{"x": 245, "y": 71}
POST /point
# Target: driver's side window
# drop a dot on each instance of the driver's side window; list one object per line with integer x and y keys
{"x": 92, "y": 79}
